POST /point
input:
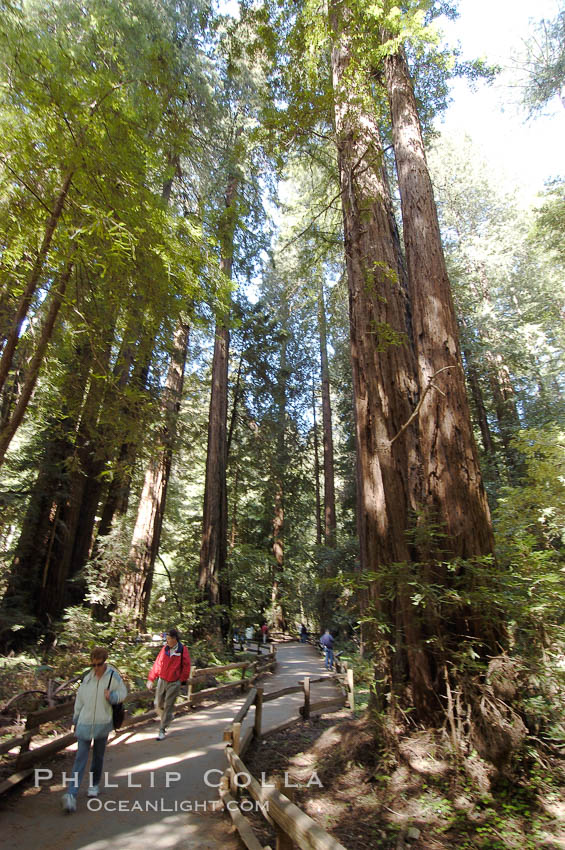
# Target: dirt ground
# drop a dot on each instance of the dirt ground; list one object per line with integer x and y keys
{"x": 419, "y": 800}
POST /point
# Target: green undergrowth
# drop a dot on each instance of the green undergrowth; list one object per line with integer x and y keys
{"x": 44, "y": 673}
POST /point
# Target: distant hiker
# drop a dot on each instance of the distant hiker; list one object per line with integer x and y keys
{"x": 303, "y": 633}
{"x": 171, "y": 668}
{"x": 101, "y": 688}
{"x": 327, "y": 642}
{"x": 264, "y": 632}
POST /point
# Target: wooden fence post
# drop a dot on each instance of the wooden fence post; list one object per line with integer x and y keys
{"x": 258, "y": 713}
{"x": 189, "y": 689}
{"x": 283, "y": 839}
{"x": 306, "y": 709}
{"x": 351, "y": 689}
{"x": 236, "y": 737}
{"x": 29, "y": 727}
{"x": 234, "y": 787}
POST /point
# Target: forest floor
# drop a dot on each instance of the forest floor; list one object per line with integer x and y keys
{"x": 417, "y": 799}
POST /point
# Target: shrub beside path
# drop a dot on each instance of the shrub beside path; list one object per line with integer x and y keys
{"x": 172, "y": 807}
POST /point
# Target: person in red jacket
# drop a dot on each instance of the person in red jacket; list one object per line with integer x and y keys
{"x": 171, "y": 668}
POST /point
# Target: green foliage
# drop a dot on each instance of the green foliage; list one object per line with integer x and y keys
{"x": 550, "y": 219}
{"x": 508, "y": 292}
{"x": 541, "y": 64}
{"x": 81, "y": 633}
{"x": 530, "y": 525}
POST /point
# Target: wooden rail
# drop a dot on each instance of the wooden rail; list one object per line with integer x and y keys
{"x": 295, "y": 825}
{"x": 27, "y": 757}
{"x": 292, "y": 825}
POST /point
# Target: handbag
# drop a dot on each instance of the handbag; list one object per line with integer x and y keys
{"x": 118, "y": 709}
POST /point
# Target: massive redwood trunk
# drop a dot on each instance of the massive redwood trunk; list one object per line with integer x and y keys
{"x": 214, "y": 524}
{"x": 452, "y": 496}
{"x": 385, "y": 389}
{"x": 453, "y": 491}
{"x": 38, "y": 587}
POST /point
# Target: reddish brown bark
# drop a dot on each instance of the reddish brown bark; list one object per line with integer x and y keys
{"x": 213, "y": 579}
{"x": 213, "y": 547}
{"x": 329, "y": 475}
{"x": 453, "y": 491}
{"x": 33, "y": 278}
{"x": 136, "y": 589}
{"x": 452, "y": 496}
{"x": 32, "y": 371}
{"x": 38, "y": 586}
{"x": 385, "y": 390}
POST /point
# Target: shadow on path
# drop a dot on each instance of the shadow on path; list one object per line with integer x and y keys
{"x": 159, "y": 795}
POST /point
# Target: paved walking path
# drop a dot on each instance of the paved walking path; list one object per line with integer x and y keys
{"x": 174, "y": 809}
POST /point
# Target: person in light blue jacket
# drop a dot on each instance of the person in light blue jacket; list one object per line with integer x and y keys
{"x": 100, "y": 688}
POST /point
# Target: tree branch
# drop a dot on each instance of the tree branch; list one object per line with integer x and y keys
{"x": 309, "y": 225}
{"x": 420, "y": 403}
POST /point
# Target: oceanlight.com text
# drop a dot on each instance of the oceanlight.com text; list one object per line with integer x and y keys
{"x": 173, "y": 806}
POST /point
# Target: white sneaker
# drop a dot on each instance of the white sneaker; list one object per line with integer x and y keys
{"x": 161, "y": 735}
{"x": 93, "y": 791}
{"x": 69, "y": 803}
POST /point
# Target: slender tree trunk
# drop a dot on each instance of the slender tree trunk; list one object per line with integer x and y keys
{"x": 44, "y": 532}
{"x": 136, "y": 589}
{"x": 213, "y": 583}
{"x": 234, "y": 511}
{"x": 316, "y": 471}
{"x": 329, "y": 476}
{"x": 327, "y": 594}
{"x": 500, "y": 382}
{"x": 32, "y": 372}
{"x": 33, "y": 278}
{"x": 278, "y": 615}
{"x": 279, "y": 466}
{"x": 504, "y": 399}
{"x": 117, "y": 498}
{"x": 480, "y": 408}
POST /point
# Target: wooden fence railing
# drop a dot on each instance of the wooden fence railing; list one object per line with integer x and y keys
{"x": 291, "y": 824}
{"x": 26, "y": 758}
